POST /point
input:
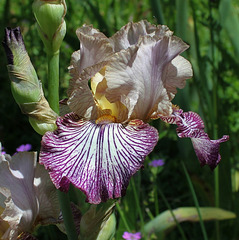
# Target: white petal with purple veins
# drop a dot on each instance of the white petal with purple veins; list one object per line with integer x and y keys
{"x": 99, "y": 159}
{"x": 207, "y": 150}
{"x": 191, "y": 125}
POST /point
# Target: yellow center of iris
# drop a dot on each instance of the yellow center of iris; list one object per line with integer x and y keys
{"x": 98, "y": 87}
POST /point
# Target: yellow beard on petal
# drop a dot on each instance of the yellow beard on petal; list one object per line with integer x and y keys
{"x": 105, "y": 119}
{"x": 98, "y": 87}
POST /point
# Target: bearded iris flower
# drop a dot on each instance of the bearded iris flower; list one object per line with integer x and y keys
{"x": 104, "y": 137}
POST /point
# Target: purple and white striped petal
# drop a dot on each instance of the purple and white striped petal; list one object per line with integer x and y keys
{"x": 207, "y": 150}
{"x": 191, "y": 125}
{"x": 99, "y": 159}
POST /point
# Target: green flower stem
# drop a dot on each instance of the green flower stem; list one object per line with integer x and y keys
{"x": 67, "y": 215}
{"x": 156, "y": 200}
{"x": 195, "y": 201}
{"x": 53, "y": 99}
{"x": 53, "y": 80}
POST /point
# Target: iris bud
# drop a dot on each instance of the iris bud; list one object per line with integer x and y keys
{"x": 50, "y": 21}
{"x": 26, "y": 88}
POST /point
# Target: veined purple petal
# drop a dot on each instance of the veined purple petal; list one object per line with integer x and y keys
{"x": 207, "y": 150}
{"x": 99, "y": 159}
{"x": 191, "y": 125}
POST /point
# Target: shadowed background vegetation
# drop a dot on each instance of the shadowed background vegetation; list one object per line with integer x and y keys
{"x": 211, "y": 28}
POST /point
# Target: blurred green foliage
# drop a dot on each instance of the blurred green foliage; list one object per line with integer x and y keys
{"x": 211, "y": 28}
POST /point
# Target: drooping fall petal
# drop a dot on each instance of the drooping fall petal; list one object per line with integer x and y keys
{"x": 191, "y": 125}
{"x": 99, "y": 159}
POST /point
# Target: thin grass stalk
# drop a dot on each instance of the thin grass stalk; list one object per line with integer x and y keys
{"x": 151, "y": 216}
{"x": 182, "y": 19}
{"x": 136, "y": 196}
{"x": 156, "y": 203}
{"x": 156, "y": 7}
{"x": 200, "y": 77}
{"x": 172, "y": 213}
{"x": 121, "y": 213}
{"x": 195, "y": 201}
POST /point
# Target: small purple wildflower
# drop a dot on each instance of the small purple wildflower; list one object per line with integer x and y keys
{"x": 24, "y": 147}
{"x": 157, "y": 163}
{"x": 131, "y": 236}
{"x": 1, "y": 150}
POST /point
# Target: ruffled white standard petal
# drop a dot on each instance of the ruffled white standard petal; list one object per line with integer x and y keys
{"x": 94, "y": 48}
{"x": 98, "y": 159}
{"x": 191, "y": 125}
{"x": 17, "y": 174}
{"x": 131, "y": 33}
{"x": 95, "y": 51}
{"x": 137, "y": 76}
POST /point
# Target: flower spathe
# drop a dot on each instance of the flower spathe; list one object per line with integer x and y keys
{"x": 104, "y": 141}
{"x": 29, "y": 196}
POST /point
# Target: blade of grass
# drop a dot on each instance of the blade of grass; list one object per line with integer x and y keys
{"x": 156, "y": 7}
{"x": 172, "y": 213}
{"x": 136, "y": 196}
{"x": 195, "y": 201}
{"x": 182, "y": 19}
{"x": 121, "y": 213}
{"x": 230, "y": 21}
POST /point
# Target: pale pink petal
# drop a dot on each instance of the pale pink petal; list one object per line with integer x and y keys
{"x": 81, "y": 101}
{"x": 17, "y": 174}
{"x": 175, "y": 75}
{"x": 49, "y": 208}
{"x": 98, "y": 159}
{"x": 141, "y": 83}
{"x": 94, "y": 48}
{"x": 131, "y": 33}
{"x": 95, "y": 51}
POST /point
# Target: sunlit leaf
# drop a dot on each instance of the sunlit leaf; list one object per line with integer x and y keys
{"x": 165, "y": 220}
